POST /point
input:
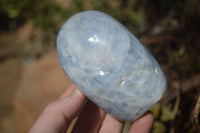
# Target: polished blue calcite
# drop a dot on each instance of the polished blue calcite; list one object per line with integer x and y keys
{"x": 109, "y": 65}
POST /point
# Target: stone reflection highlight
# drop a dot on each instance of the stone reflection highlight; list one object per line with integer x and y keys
{"x": 109, "y": 65}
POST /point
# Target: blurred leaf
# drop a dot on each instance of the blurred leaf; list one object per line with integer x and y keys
{"x": 12, "y": 13}
{"x": 158, "y": 127}
{"x": 78, "y": 5}
{"x": 156, "y": 110}
{"x": 166, "y": 114}
{"x": 134, "y": 18}
{"x": 14, "y": 8}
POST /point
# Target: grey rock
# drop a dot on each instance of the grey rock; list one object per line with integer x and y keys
{"x": 109, "y": 65}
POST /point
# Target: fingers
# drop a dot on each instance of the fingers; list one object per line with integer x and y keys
{"x": 143, "y": 124}
{"x": 90, "y": 119}
{"x": 57, "y": 116}
{"x": 68, "y": 91}
{"x": 111, "y": 125}
{"x": 72, "y": 105}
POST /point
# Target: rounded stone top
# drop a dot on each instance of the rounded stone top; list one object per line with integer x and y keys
{"x": 109, "y": 65}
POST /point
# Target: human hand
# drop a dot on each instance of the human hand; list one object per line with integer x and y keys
{"x": 58, "y": 115}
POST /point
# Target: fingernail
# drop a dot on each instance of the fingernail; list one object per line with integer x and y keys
{"x": 75, "y": 93}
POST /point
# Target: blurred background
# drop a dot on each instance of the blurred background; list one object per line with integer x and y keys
{"x": 31, "y": 77}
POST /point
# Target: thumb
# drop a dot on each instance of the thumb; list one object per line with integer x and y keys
{"x": 57, "y": 116}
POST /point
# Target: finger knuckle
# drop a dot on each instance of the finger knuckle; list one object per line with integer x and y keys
{"x": 53, "y": 106}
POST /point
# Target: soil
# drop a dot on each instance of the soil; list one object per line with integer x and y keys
{"x": 27, "y": 84}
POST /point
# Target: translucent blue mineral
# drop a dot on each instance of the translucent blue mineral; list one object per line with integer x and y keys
{"x": 109, "y": 65}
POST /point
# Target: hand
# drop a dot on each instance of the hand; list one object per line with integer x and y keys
{"x": 58, "y": 115}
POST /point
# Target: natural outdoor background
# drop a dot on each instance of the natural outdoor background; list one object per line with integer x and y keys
{"x": 31, "y": 77}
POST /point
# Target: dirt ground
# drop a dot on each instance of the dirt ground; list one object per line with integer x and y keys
{"x": 27, "y": 85}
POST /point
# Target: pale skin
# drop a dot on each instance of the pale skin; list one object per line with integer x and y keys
{"x": 58, "y": 115}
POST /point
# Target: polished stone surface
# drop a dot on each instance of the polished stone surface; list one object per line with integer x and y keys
{"x": 109, "y": 65}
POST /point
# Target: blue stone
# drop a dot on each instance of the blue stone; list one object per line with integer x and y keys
{"x": 109, "y": 65}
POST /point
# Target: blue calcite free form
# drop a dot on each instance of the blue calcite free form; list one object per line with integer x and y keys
{"x": 109, "y": 65}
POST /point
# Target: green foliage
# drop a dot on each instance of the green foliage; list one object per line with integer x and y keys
{"x": 45, "y": 14}
{"x": 48, "y": 15}
{"x": 158, "y": 127}
{"x": 162, "y": 115}
{"x": 156, "y": 110}
{"x": 166, "y": 114}
{"x": 15, "y": 8}
{"x": 78, "y": 4}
